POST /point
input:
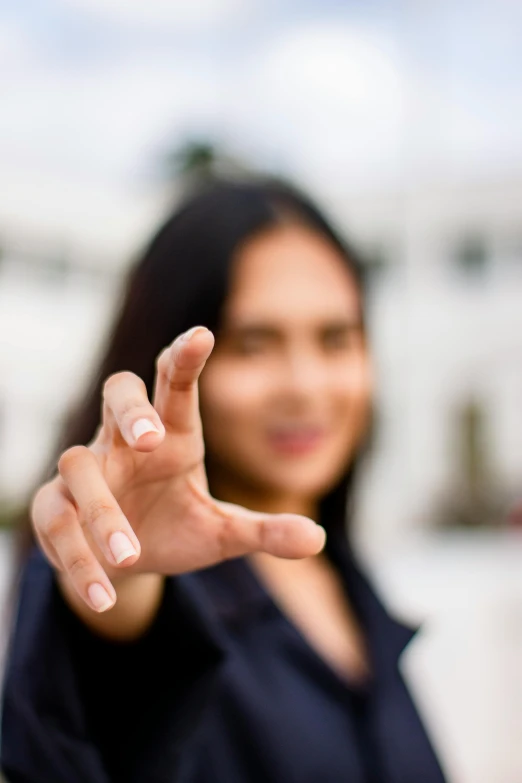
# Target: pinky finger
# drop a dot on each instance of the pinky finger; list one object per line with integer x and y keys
{"x": 47, "y": 499}
{"x": 64, "y": 543}
{"x": 84, "y": 571}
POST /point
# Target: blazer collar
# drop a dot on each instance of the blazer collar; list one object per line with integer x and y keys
{"x": 235, "y": 596}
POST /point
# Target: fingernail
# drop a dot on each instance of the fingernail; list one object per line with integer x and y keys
{"x": 121, "y": 546}
{"x": 191, "y": 332}
{"x": 141, "y": 427}
{"x": 99, "y": 597}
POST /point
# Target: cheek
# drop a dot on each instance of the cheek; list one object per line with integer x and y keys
{"x": 353, "y": 398}
{"x": 353, "y": 384}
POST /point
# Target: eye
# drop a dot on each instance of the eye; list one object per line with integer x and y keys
{"x": 251, "y": 343}
{"x": 249, "y": 346}
{"x": 338, "y": 338}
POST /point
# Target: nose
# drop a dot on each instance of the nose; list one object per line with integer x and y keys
{"x": 304, "y": 373}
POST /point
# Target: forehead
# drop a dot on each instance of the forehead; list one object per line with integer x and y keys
{"x": 291, "y": 272}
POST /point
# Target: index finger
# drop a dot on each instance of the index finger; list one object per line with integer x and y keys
{"x": 178, "y": 369}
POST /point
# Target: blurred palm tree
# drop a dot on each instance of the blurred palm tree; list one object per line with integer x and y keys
{"x": 198, "y": 161}
{"x": 193, "y": 158}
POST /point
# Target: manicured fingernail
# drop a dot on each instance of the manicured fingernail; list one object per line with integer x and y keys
{"x": 141, "y": 427}
{"x": 121, "y": 546}
{"x": 99, "y": 597}
{"x": 191, "y": 332}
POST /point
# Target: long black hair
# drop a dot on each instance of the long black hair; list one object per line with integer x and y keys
{"x": 183, "y": 279}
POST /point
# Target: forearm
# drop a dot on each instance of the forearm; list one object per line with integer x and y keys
{"x": 138, "y": 600}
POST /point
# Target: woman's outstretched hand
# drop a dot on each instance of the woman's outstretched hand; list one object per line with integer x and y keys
{"x": 136, "y": 500}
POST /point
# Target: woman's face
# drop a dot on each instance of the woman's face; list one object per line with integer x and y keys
{"x": 285, "y": 395}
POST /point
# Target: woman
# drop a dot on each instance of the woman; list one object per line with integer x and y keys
{"x": 184, "y": 622}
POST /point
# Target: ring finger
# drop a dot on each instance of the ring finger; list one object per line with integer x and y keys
{"x": 97, "y": 507}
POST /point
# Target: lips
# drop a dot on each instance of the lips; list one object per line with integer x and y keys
{"x": 298, "y": 440}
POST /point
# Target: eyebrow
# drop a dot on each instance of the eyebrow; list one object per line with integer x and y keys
{"x": 271, "y": 328}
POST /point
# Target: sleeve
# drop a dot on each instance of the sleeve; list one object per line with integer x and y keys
{"x": 81, "y": 709}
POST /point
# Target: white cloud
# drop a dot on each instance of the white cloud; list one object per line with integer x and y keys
{"x": 104, "y": 119}
{"x": 332, "y": 95}
{"x": 323, "y": 67}
{"x": 325, "y": 101}
{"x": 181, "y": 14}
{"x": 16, "y": 48}
{"x": 70, "y": 140}
{"x": 332, "y": 103}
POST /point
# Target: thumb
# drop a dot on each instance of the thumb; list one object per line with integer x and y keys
{"x": 283, "y": 535}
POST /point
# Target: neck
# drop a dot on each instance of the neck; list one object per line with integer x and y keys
{"x": 240, "y": 493}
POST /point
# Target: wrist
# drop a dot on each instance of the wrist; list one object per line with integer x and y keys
{"x": 138, "y": 598}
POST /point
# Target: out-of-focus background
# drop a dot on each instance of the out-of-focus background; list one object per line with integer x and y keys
{"x": 404, "y": 120}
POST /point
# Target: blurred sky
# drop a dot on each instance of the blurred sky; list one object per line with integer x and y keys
{"x": 343, "y": 95}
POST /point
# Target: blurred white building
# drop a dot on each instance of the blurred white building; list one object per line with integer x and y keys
{"x": 445, "y": 318}
{"x": 54, "y": 305}
{"x": 446, "y": 323}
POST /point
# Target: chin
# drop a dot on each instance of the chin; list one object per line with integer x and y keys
{"x": 302, "y": 481}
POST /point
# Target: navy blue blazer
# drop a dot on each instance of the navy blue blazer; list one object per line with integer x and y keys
{"x": 222, "y": 689}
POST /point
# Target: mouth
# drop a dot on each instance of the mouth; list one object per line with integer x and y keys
{"x": 296, "y": 440}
